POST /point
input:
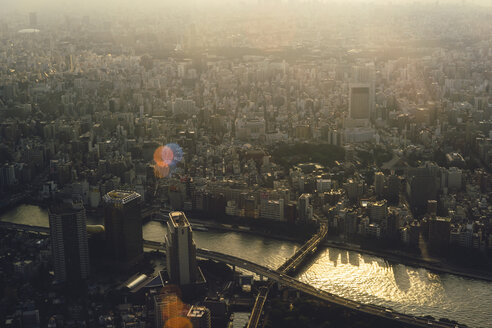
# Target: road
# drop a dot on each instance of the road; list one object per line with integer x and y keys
{"x": 291, "y": 282}
{"x": 278, "y": 277}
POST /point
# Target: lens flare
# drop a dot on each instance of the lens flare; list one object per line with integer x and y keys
{"x": 163, "y": 154}
{"x": 177, "y": 152}
{"x": 166, "y": 158}
{"x": 178, "y": 322}
{"x": 161, "y": 170}
{"x": 173, "y": 310}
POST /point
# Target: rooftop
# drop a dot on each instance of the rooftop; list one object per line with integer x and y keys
{"x": 197, "y": 311}
{"x": 179, "y": 219}
{"x": 120, "y": 196}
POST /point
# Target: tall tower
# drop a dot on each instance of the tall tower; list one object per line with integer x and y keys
{"x": 123, "y": 226}
{"x": 360, "y": 101}
{"x": 180, "y": 250}
{"x": 69, "y": 241}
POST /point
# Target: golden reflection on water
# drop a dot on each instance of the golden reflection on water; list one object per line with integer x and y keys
{"x": 382, "y": 281}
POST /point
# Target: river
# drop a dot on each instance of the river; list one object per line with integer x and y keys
{"x": 357, "y": 276}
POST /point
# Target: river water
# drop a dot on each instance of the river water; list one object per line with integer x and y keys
{"x": 357, "y": 276}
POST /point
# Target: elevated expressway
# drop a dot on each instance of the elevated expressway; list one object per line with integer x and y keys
{"x": 276, "y": 276}
{"x": 291, "y": 282}
{"x": 290, "y": 266}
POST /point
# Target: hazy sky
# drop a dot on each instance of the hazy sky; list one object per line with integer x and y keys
{"x": 63, "y": 5}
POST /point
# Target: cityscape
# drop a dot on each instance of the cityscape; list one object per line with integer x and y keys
{"x": 244, "y": 164}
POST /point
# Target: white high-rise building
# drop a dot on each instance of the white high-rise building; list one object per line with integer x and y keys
{"x": 180, "y": 250}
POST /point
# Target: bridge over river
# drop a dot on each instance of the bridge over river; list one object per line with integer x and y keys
{"x": 278, "y": 276}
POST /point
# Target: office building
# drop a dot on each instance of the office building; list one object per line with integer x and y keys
{"x": 7, "y": 175}
{"x": 180, "y": 250}
{"x": 454, "y": 178}
{"x": 350, "y": 224}
{"x": 123, "y": 226}
{"x": 379, "y": 183}
{"x": 421, "y": 186}
{"x": 392, "y": 189}
{"x": 359, "y": 101}
{"x": 354, "y": 189}
{"x": 69, "y": 241}
{"x": 250, "y": 129}
{"x": 272, "y": 209}
{"x": 432, "y": 207}
{"x": 439, "y": 234}
{"x": 304, "y": 208}
{"x": 377, "y": 210}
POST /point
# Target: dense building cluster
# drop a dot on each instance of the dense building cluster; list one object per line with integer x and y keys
{"x": 383, "y": 133}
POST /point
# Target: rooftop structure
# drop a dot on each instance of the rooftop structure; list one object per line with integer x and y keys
{"x": 120, "y": 197}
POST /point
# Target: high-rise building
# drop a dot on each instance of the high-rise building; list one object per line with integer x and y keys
{"x": 123, "y": 226}
{"x": 432, "y": 207}
{"x": 180, "y": 250}
{"x": 377, "y": 210}
{"x": 454, "y": 178}
{"x": 304, "y": 208}
{"x": 439, "y": 234}
{"x": 7, "y": 175}
{"x": 379, "y": 183}
{"x": 69, "y": 241}
{"x": 354, "y": 189}
{"x": 422, "y": 185}
{"x": 360, "y": 101}
{"x": 392, "y": 190}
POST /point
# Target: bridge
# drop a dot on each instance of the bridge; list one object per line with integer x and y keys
{"x": 291, "y": 282}
{"x": 290, "y": 266}
{"x": 278, "y": 277}
{"x": 294, "y": 262}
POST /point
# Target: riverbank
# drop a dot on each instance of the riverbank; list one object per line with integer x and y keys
{"x": 436, "y": 265}
{"x": 244, "y": 229}
{"x": 398, "y": 256}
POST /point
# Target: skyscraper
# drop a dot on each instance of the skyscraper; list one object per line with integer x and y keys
{"x": 123, "y": 226}
{"x": 360, "y": 101}
{"x": 69, "y": 241}
{"x": 439, "y": 229}
{"x": 180, "y": 250}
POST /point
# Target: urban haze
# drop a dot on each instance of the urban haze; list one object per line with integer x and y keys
{"x": 245, "y": 164}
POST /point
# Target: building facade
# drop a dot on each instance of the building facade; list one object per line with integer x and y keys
{"x": 69, "y": 245}
{"x": 180, "y": 250}
{"x": 123, "y": 226}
